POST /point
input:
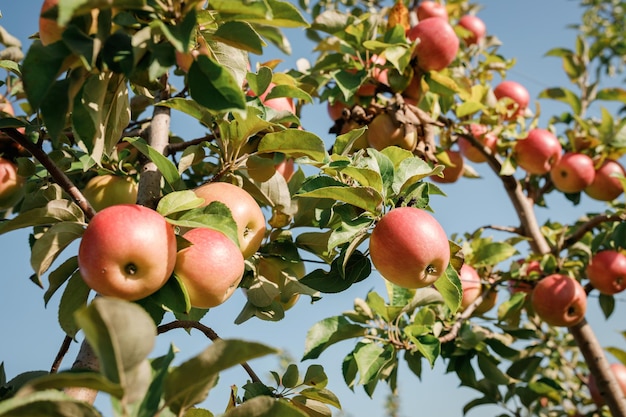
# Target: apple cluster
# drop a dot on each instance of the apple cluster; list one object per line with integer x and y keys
{"x": 117, "y": 258}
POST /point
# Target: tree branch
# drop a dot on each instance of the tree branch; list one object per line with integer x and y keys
{"x": 208, "y": 332}
{"x": 590, "y": 225}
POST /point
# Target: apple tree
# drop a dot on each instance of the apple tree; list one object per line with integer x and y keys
{"x": 417, "y": 92}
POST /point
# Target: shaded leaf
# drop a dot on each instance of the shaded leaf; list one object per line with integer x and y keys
{"x": 328, "y": 332}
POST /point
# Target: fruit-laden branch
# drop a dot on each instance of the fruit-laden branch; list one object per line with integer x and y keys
{"x": 57, "y": 174}
{"x": 599, "y": 367}
{"x": 208, "y": 332}
{"x": 467, "y": 313}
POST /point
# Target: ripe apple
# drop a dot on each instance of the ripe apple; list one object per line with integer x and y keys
{"x": 619, "y": 371}
{"x": 573, "y": 172}
{"x": 428, "y": 9}
{"x": 488, "y": 139}
{"x": 538, "y": 152}
{"x": 286, "y": 168}
{"x": 210, "y": 269}
{"x": 49, "y": 30}
{"x": 409, "y": 247}
{"x": 335, "y": 110}
{"x": 605, "y": 186}
{"x": 11, "y": 184}
{"x": 517, "y": 93}
{"x": 272, "y": 269}
{"x": 107, "y": 190}
{"x": 607, "y": 271}
{"x": 451, "y": 173}
{"x": 278, "y": 103}
{"x": 437, "y": 46}
{"x": 244, "y": 209}
{"x": 383, "y": 131}
{"x": 476, "y": 26}
{"x": 185, "y": 59}
{"x": 472, "y": 288}
{"x": 559, "y": 300}
{"x": 127, "y": 251}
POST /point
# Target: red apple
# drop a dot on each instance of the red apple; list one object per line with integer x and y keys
{"x": 538, "y": 152}
{"x": 437, "y": 46}
{"x": 559, "y": 300}
{"x": 127, "y": 251}
{"x": 210, "y": 269}
{"x": 488, "y": 140}
{"x": 515, "y": 92}
{"x": 383, "y": 131}
{"x": 49, "y": 29}
{"x": 573, "y": 172}
{"x": 278, "y": 103}
{"x": 107, "y": 190}
{"x": 619, "y": 371}
{"x": 244, "y": 209}
{"x": 472, "y": 288}
{"x": 286, "y": 168}
{"x": 528, "y": 272}
{"x": 607, "y": 271}
{"x": 335, "y": 110}
{"x": 428, "y": 9}
{"x": 451, "y": 173}
{"x": 606, "y": 185}
{"x": 409, "y": 247}
{"x": 475, "y": 26}
{"x": 11, "y": 184}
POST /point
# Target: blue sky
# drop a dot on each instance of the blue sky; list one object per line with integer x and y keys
{"x": 31, "y": 335}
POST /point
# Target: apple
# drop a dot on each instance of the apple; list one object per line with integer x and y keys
{"x": 488, "y": 140}
{"x": 437, "y": 46}
{"x": 538, "y": 152}
{"x": 107, "y": 190}
{"x": 413, "y": 92}
{"x": 244, "y": 209}
{"x": 335, "y": 110}
{"x": 606, "y": 185}
{"x": 451, "y": 173}
{"x": 559, "y": 300}
{"x": 49, "y": 30}
{"x": 619, "y": 371}
{"x": 472, "y": 288}
{"x": 607, "y": 271}
{"x": 185, "y": 59}
{"x": 210, "y": 269}
{"x": 383, "y": 131}
{"x": 515, "y": 92}
{"x": 378, "y": 76}
{"x": 409, "y": 247}
{"x": 278, "y": 103}
{"x": 11, "y": 184}
{"x": 573, "y": 172}
{"x": 273, "y": 269}
{"x": 128, "y": 251}
{"x": 428, "y": 9}
{"x": 475, "y": 26}
{"x": 528, "y": 272}
{"x": 286, "y": 168}
{"x": 263, "y": 167}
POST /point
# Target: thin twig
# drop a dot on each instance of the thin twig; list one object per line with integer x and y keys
{"x": 65, "y": 346}
{"x": 208, "y": 332}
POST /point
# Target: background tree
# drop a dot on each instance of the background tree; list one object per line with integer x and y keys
{"x": 98, "y": 94}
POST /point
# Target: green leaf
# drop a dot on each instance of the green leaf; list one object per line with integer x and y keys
{"x": 240, "y": 35}
{"x": 312, "y": 408}
{"x": 151, "y": 402}
{"x": 491, "y": 371}
{"x": 214, "y": 87}
{"x": 73, "y": 299}
{"x": 449, "y": 285}
{"x": 612, "y": 94}
{"x": 295, "y": 143}
{"x": 342, "y": 275}
{"x": 511, "y": 306}
{"x": 121, "y": 333}
{"x": 216, "y": 216}
{"x": 265, "y": 406}
{"x": 322, "y": 395}
{"x": 55, "y": 107}
{"x": 50, "y": 245}
{"x": 177, "y": 202}
{"x": 190, "y": 108}
{"x": 84, "y": 379}
{"x": 564, "y": 95}
{"x": 40, "y": 70}
{"x": 328, "y": 332}
{"x": 607, "y": 304}
{"x": 492, "y": 253}
{"x": 409, "y": 172}
{"x": 189, "y": 383}
{"x": 165, "y": 166}
{"x": 59, "y": 276}
{"x": 291, "y": 376}
{"x": 370, "y": 359}
{"x": 315, "y": 377}
{"x": 366, "y": 198}
{"x": 50, "y": 403}
{"x": 429, "y": 346}
{"x": 260, "y": 81}
{"x": 55, "y": 211}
